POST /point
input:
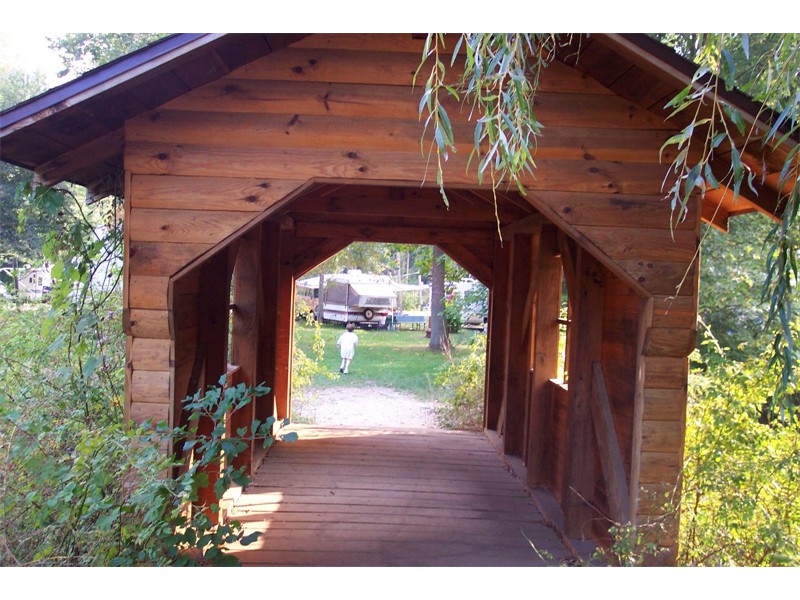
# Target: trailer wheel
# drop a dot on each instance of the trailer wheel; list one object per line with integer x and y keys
{"x": 368, "y": 314}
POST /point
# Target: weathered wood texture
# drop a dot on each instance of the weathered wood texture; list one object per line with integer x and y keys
{"x": 586, "y": 341}
{"x": 356, "y": 497}
{"x": 498, "y": 327}
{"x": 325, "y": 136}
{"x": 282, "y": 382}
{"x": 302, "y": 113}
{"x": 247, "y": 315}
{"x": 612, "y": 467}
{"x": 547, "y": 291}
{"x": 519, "y": 310}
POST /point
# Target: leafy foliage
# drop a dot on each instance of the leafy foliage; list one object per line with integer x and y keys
{"x": 771, "y": 75}
{"x": 461, "y": 383}
{"x": 18, "y": 245}
{"x": 80, "y": 486}
{"x": 308, "y": 365}
{"x": 741, "y": 484}
{"x": 100, "y": 496}
{"x": 81, "y": 52}
{"x": 499, "y": 82}
{"x": 730, "y": 287}
{"x": 500, "y": 79}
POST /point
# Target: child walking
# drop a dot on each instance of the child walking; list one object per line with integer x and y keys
{"x": 347, "y": 347}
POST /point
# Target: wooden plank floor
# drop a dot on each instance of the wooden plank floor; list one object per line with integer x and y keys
{"x": 391, "y": 497}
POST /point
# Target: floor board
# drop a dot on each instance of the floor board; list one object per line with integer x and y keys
{"x": 381, "y": 497}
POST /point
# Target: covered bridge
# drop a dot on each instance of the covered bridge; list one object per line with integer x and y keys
{"x": 247, "y": 159}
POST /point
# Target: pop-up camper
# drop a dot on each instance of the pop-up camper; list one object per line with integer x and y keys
{"x": 363, "y": 299}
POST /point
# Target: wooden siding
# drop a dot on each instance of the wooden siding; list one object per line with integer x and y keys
{"x": 323, "y": 138}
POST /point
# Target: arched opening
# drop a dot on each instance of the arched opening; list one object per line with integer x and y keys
{"x": 396, "y": 379}
{"x": 539, "y": 280}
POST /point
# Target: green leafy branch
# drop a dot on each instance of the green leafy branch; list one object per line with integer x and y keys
{"x": 723, "y": 129}
{"x": 498, "y": 83}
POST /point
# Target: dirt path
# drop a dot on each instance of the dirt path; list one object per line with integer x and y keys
{"x": 363, "y": 406}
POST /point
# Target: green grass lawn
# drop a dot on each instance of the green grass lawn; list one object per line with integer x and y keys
{"x": 397, "y": 359}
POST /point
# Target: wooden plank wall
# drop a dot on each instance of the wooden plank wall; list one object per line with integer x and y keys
{"x": 343, "y": 109}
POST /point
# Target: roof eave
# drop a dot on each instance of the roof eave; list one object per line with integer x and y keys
{"x": 101, "y": 79}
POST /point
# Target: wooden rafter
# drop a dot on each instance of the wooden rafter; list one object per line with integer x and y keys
{"x": 472, "y": 260}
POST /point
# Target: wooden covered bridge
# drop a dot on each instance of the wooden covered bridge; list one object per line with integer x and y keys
{"x": 247, "y": 159}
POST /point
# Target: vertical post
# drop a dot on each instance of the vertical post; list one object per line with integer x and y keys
{"x": 247, "y": 315}
{"x": 497, "y": 335}
{"x": 270, "y": 270}
{"x": 213, "y": 334}
{"x": 518, "y": 363}
{"x": 644, "y": 321}
{"x": 545, "y": 358}
{"x": 320, "y": 302}
{"x": 285, "y": 323}
{"x": 585, "y": 340}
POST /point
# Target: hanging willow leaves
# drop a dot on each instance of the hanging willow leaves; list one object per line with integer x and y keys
{"x": 498, "y": 85}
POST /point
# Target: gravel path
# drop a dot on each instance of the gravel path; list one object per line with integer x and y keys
{"x": 363, "y": 406}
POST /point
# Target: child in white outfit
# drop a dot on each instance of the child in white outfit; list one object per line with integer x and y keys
{"x": 347, "y": 347}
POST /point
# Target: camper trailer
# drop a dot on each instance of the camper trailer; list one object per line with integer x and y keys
{"x": 363, "y": 299}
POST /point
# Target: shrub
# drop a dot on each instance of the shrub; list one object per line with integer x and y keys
{"x": 741, "y": 496}
{"x": 452, "y": 314}
{"x": 462, "y": 383}
{"x": 109, "y": 501}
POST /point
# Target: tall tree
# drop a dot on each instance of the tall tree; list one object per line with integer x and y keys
{"x": 24, "y": 222}
{"x": 18, "y": 247}
{"x": 440, "y": 341}
{"x": 81, "y": 52}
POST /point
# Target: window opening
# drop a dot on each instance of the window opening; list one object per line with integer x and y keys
{"x": 564, "y": 320}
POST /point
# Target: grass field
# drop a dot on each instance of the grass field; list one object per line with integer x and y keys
{"x": 397, "y": 359}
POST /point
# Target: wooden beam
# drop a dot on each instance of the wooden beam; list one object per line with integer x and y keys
{"x": 247, "y": 314}
{"x": 285, "y": 324}
{"x": 498, "y": 328}
{"x": 529, "y": 224}
{"x": 213, "y": 335}
{"x": 470, "y": 260}
{"x": 424, "y": 203}
{"x": 569, "y": 251}
{"x": 586, "y": 348}
{"x": 545, "y": 359}
{"x": 102, "y": 150}
{"x": 314, "y": 252}
{"x": 648, "y": 404}
{"x": 270, "y": 266}
{"x": 396, "y": 234}
{"x": 713, "y": 213}
{"x": 608, "y": 448}
{"x": 519, "y": 360}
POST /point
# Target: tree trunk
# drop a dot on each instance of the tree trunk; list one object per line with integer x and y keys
{"x": 320, "y": 291}
{"x": 440, "y": 341}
